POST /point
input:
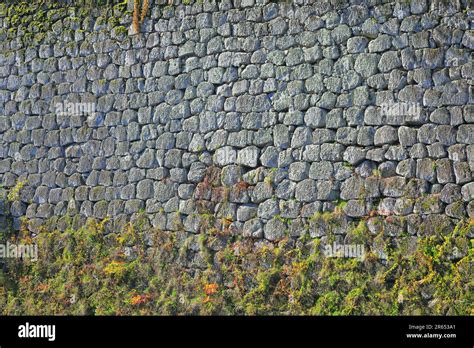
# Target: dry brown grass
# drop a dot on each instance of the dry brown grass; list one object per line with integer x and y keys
{"x": 135, "y": 21}
{"x": 145, "y": 6}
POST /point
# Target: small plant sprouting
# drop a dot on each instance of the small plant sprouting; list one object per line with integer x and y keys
{"x": 14, "y": 194}
{"x": 377, "y": 173}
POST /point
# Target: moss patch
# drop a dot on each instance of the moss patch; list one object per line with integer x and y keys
{"x": 142, "y": 271}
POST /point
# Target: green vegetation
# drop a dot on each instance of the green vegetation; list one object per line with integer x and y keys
{"x": 14, "y": 194}
{"x": 146, "y": 272}
{"x": 35, "y": 23}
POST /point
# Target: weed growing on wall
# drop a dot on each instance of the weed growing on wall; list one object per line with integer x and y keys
{"x": 149, "y": 272}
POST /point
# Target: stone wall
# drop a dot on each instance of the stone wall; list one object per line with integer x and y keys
{"x": 247, "y": 117}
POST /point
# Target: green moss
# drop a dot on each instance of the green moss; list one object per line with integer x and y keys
{"x": 122, "y": 274}
{"x": 346, "y": 164}
{"x": 3, "y": 34}
{"x": 121, "y": 30}
{"x": 3, "y": 10}
{"x": 113, "y": 22}
{"x": 39, "y": 38}
{"x": 121, "y": 6}
{"x": 429, "y": 202}
{"x": 15, "y": 20}
{"x": 35, "y": 26}
{"x": 52, "y": 15}
{"x": 101, "y": 82}
{"x": 360, "y": 233}
{"x": 83, "y": 11}
{"x": 377, "y": 173}
{"x": 100, "y": 21}
{"x": 14, "y": 193}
